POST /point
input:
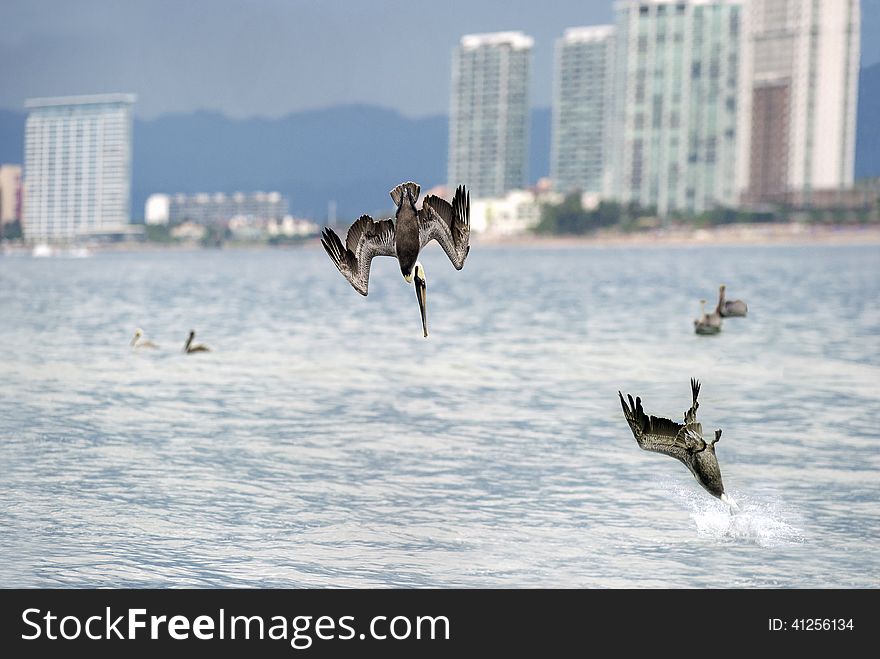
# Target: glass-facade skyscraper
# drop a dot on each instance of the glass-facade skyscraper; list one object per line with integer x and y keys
{"x": 674, "y": 124}
{"x": 582, "y": 108}
{"x": 489, "y": 117}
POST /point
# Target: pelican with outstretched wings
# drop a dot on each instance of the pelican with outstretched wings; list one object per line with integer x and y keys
{"x": 404, "y": 238}
{"x": 683, "y": 442}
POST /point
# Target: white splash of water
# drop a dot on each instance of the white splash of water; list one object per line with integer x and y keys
{"x": 762, "y": 522}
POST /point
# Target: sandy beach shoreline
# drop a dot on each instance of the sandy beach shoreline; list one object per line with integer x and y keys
{"x": 726, "y": 235}
{"x": 755, "y": 235}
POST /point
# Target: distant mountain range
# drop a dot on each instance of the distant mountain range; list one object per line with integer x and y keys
{"x": 349, "y": 154}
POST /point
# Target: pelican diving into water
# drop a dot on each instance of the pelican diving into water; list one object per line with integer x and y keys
{"x": 404, "y": 238}
{"x": 730, "y": 308}
{"x": 138, "y": 340}
{"x": 683, "y": 442}
{"x": 191, "y": 347}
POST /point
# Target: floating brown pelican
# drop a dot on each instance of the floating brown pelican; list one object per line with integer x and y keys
{"x": 191, "y": 347}
{"x": 448, "y": 224}
{"x": 138, "y": 341}
{"x": 707, "y": 323}
{"x": 683, "y": 442}
{"x": 730, "y": 308}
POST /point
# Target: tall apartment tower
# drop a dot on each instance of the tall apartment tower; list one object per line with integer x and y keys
{"x": 676, "y": 84}
{"x": 77, "y": 166}
{"x": 801, "y": 63}
{"x": 582, "y": 93}
{"x": 489, "y": 115}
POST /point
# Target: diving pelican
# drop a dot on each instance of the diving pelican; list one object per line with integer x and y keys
{"x": 730, "y": 308}
{"x": 190, "y": 347}
{"x": 707, "y": 323}
{"x": 683, "y": 442}
{"x": 138, "y": 340}
{"x": 448, "y": 224}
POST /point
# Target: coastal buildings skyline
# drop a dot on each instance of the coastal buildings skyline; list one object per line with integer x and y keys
{"x": 77, "y": 166}
{"x": 797, "y": 41}
{"x": 216, "y": 208}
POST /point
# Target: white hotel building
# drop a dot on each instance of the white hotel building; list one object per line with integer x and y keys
{"x": 77, "y": 170}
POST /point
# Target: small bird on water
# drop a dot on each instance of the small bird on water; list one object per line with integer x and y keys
{"x": 730, "y": 308}
{"x": 707, "y": 323}
{"x": 403, "y": 239}
{"x": 138, "y": 341}
{"x": 683, "y": 442}
{"x": 191, "y": 347}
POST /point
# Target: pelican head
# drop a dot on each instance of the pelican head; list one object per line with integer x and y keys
{"x": 730, "y": 502}
{"x": 189, "y": 340}
{"x": 418, "y": 275}
{"x": 138, "y": 333}
{"x": 704, "y": 466}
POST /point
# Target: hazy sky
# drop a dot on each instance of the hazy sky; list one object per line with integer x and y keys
{"x": 271, "y": 57}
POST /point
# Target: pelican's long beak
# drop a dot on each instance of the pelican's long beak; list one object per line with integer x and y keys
{"x": 422, "y": 294}
{"x": 730, "y": 502}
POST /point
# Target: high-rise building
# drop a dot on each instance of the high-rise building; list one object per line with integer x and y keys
{"x": 798, "y": 125}
{"x": 582, "y": 107}
{"x": 675, "y": 104}
{"x": 77, "y": 166}
{"x": 10, "y": 193}
{"x": 489, "y": 117}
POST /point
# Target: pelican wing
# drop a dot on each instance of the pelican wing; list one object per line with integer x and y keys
{"x": 448, "y": 224}
{"x": 661, "y": 435}
{"x": 366, "y": 238}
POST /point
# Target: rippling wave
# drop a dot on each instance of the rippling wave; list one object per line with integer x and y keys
{"x": 324, "y": 442}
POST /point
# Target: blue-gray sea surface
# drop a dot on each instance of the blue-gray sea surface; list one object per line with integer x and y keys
{"x": 324, "y": 442}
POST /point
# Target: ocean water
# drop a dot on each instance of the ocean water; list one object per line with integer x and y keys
{"x": 324, "y": 442}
